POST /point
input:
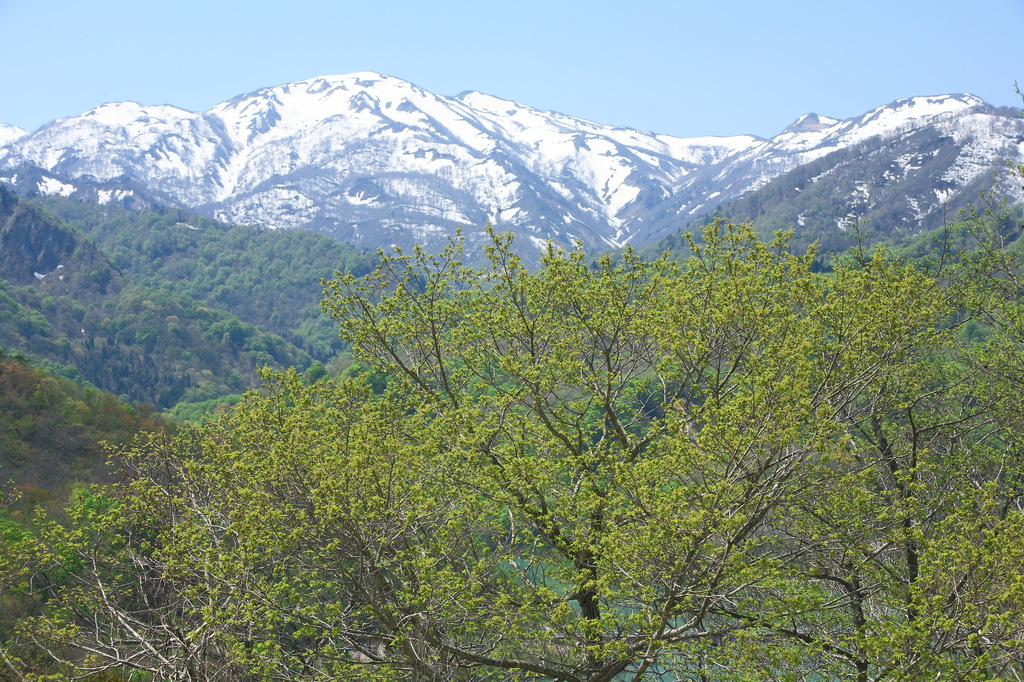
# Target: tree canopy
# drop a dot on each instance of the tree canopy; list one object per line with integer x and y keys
{"x": 727, "y": 468}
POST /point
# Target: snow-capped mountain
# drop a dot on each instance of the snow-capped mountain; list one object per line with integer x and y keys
{"x": 9, "y": 133}
{"x": 375, "y": 160}
{"x": 949, "y": 146}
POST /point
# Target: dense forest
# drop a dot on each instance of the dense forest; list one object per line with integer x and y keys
{"x": 51, "y": 433}
{"x": 264, "y": 278}
{"x": 733, "y": 466}
{"x": 159, "y": 306}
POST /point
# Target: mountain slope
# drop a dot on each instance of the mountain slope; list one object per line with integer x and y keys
{"x": 266, "y": 278}
{"x": 939, "y": 149}
{"x": 70, "y": 305}
{"x": 912, "y": 180}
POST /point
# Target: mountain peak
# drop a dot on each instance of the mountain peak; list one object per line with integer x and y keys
{"x": 949, "y": 102}
{"x": 810, "y": 123}
{"x": 924, "y": 107}
{"x": 9, "y": 133}
{"x": 301, "y": 105}
{"x": 322, "y": 86}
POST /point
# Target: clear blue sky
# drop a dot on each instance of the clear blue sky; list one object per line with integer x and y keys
{"x": 713, "y": 67}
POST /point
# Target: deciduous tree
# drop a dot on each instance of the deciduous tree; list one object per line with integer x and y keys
{"x": 729, "y": 468}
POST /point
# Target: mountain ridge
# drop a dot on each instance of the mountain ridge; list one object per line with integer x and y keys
{"x": 377, "y": 161}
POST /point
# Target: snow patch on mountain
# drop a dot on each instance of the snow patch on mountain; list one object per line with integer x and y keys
{"x": 52, "y": 186}
{"x": 105, "y": 196}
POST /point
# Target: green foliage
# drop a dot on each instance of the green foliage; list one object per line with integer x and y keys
{"x": 51, "y": 432}
{"x": 150, "y": 342}
{"x": 52, "y": 442}
{"x": 266, "y": 278}
{"x": 198, "y": 412}
{"x": 316, "y": 372}
{"x": 727, "y": 468}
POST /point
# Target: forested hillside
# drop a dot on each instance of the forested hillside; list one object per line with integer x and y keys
{"x": 51, "y": 431}
{"x": 731, "y": 467}
{"x": 160, "y": 306}
{"x": 265, "y": 278}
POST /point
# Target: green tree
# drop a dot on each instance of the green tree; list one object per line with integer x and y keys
{"x": 729, "y": 468}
